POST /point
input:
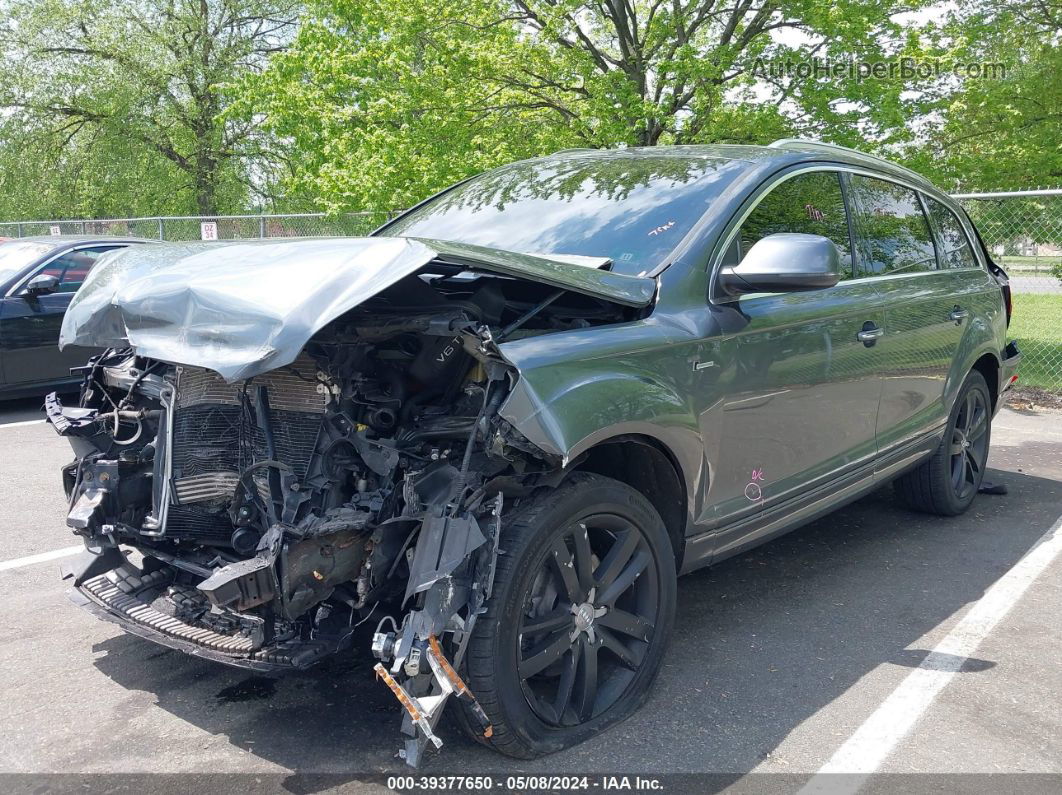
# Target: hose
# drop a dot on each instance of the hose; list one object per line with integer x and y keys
{"x": 462, "y": 478}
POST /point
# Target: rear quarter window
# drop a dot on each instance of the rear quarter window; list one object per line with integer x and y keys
{"x": 954, "y": 246}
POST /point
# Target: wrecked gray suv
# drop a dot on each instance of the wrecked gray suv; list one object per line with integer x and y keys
{"x": 497, "y": 429}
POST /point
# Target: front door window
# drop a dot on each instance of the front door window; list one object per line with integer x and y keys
{"x": 811, "y": 203}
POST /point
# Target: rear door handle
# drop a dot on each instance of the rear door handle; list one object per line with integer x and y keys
{"x": 870, "y": 334}
{"x": 958, "y": 314}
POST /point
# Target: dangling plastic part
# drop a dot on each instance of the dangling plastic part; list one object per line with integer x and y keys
{"x": 442, "y": 669}
{"x": 418, "y": 712}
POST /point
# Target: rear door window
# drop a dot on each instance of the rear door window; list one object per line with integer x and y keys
{"x": 953, "y": 244}
{"x": 811, "y": 203}
{"x": 893, "y": 232}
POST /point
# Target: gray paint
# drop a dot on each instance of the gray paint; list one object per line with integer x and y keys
{"x": 791, "y": 392}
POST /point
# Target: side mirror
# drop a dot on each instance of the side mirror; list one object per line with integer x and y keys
{"x": 782, "y": 263}
{"x": 42, "y": 284}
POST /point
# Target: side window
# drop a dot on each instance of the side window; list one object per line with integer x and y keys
{"x": 811, "y": 203}
{"x": 72, "y": 268}
{"x": 893, "y": 232}
{"x": 955, "y": 250}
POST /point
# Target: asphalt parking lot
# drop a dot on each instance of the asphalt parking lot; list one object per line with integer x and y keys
{"x": 781, "y": 656}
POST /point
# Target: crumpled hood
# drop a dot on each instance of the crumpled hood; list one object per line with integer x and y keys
{"x": 245, "y": 307}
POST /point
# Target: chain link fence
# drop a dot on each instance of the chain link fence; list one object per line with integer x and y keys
{"x": 1023, "y": 229}
{"x": 219, "y": 227}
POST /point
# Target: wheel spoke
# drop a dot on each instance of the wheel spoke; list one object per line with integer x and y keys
{"x": 567, "y": 681}
{"x": 547, "y": 623}
{"x": 617, "y": 647}
{"x": 586, "y": 682}
{"x": 627, "y": 623}
{"x": 544, "y": 655}
{"x": 974, "y": 464}
{"x": 618, "y": 554}
{"x": 625, "y": 579}
{"x": 958, "y": 468}
{"x": 967, "y": 413}
{"x": 978, "y": 426}
{"x": 565, "y": 568}
{"x": 584, "y": 563}
{"x": 571, "y": 618}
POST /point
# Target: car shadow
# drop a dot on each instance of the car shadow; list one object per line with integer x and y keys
{"x": 24, "y": 409}
{"x": 762, "y": 642}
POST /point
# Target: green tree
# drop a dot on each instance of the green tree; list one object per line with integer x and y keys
{"x": 153, "y": 73}
{"x": 1001, "y": 129}
{"x": 645, "y": 72}
{"x": 383, "y": 101}
{"x": 89, "y": 174}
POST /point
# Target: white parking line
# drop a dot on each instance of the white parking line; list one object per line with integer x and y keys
{"x": 864, "y": 751}
{"x": 42, "y": 557}
{"x": 23, "y": 422}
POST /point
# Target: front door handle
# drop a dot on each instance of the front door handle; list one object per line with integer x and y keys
{"x": 958, "y": 314}
{"x": 870, "y": 333}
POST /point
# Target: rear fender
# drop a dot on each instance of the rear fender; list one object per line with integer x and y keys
{"x": 984, "y": 333}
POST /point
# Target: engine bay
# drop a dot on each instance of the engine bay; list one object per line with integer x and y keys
{"x": 260, "y": 522}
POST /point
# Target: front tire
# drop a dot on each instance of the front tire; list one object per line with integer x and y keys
{"x": 580, "y": 616}
{"x": 947, "y": 482}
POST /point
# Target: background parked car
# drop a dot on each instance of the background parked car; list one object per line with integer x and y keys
{"x": 38, "y": 277}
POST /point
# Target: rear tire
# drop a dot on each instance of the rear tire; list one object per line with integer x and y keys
{"x": 947, "y": 483}
{"x": 580, "y": 616}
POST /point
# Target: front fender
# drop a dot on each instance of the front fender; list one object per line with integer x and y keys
{"x": 574, "y": 390}
{"x": 569, "y": 407}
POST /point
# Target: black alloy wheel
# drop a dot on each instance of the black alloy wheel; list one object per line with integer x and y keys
{"x": 588, "y": 620}
{"x": 947, "y": 482}
{"x": 579, "y": 619}
{"x": 969, "y": 444}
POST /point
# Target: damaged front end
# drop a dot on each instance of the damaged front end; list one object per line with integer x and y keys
{"x": 259, "y": 521}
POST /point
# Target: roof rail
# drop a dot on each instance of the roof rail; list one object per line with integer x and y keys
{"x": 804, "y": 145}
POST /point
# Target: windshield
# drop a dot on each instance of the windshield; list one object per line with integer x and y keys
{"x": 17, "y": 254}
{"x": 631, "y": 208}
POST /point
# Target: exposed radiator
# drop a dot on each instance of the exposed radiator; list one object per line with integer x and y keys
{"x": 216, "y": 437}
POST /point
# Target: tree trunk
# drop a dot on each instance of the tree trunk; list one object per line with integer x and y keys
{"x": 650, "y": 135}
{"x": 206, "y": 183}
{"x": 205, "y": 197}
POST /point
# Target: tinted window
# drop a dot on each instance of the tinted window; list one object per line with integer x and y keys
{"x": 810, "y": 203}
{"x": 955, "y": 250}
{"x": 72, "y": 268}
{"x": 892, "y": 228}
{"x": 633, "y": 208}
